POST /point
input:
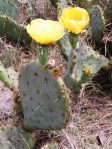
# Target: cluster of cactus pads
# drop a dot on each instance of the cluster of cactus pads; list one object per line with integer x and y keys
{"x": 45, "y": 105}
{"x": 83, "y": 64}
{"x": 9, "y": 25}
{"x": 44, "y": 97}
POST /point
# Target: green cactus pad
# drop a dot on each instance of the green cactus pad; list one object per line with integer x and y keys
{"x": 9, "y": 77}
{"x": 5, "y": 77}
{"x": 9, "y": 26}
{"x": 13, "y": 31}
{"x": 13, "y": 75}
{"x": 65, "y": 46}
{"x": 45, "y": 100}
{"x": 12, "y": 137}
{"x": 83, "y": 65}
{"x": 97, "y": 23}
{"x": 51, "y": 145}
{"x": 64, "y": 43}
{"x": 107, "y": 8}
{"x": 9, "y": 8}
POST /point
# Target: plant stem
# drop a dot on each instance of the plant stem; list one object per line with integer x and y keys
{"x": 73, "y": 39}
{"x": 43, "y": 54}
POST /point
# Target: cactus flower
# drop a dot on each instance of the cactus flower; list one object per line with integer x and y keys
{"x": 88, "y": 70}
{"x": 75, "y": 19}
{"x": 45, "y": 31}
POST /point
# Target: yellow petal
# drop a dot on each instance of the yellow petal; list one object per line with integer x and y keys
{"x": 45, "y": 31}
{"x": 75, "y": 19}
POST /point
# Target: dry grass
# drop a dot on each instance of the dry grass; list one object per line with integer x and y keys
{"x": 91, "y": 127}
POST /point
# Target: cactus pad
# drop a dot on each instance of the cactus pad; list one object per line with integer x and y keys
{"x": 9, "y": 26}
{"x": 64, "y": 43}
{"x": 86, "y": 62}
{"x": 13, "y": 75}
{"x": 9, "y": 8}
{"x": 9, "y": 77}
{"x": 13, "y": 31}
{"x": 13, "y": 137}
{"x": 65, "y": 46}
{"x": 5, "y": 77}
{"x": 45, "y": 100}
{"x": 97, "y": 23}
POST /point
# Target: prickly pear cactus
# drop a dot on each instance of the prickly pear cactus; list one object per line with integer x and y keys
{"x": 9, "y": 8}
{"x": 45, "y": 100}
{"x": 13, "y": 75}
{"x": 97, "y": 23}
{"x": 68, "y": 42}
{"x": 65, "y": 46}
{"x": 51, "y": 145}
{"x": 5, "y": 77}
{"x": 106, "y": 6}
{"x": 85, "y": 62}
{"x": 13, "y": 137}
{"x": 64, "y": 43}
{"x": 9, "y": 27}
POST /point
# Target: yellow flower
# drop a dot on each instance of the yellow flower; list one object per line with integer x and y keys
{"x": 88, "y": 70}
{"x": 45, "y": 31}
{"x": 75, "y": 19}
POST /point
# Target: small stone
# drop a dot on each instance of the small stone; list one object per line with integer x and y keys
{"x": 6, "y": 101}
